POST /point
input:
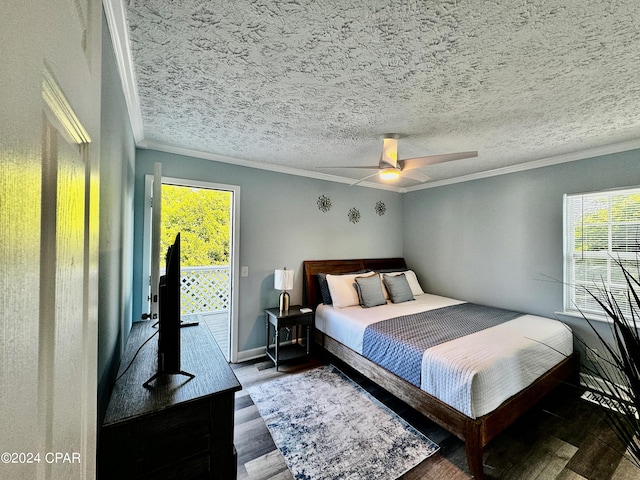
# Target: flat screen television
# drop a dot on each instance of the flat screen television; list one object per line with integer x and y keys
{"x": 169, "y": 316}
{"x": 169, "y": 310}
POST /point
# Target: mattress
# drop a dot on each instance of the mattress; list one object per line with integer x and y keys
{"x": 473, "y": 374}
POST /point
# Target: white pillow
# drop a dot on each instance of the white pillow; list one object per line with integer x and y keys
{"x": 343, "y": 293}
{"x": 416, "y": 289}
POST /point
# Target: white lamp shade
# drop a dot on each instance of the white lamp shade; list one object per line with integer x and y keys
{"x": 283, "y": 279}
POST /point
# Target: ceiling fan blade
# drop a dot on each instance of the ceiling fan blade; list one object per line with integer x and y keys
{"x": 411, "y": 163}
{"x": 363, "y": 179}
{"x": 415, "y": 175}
{"x": 376, "y": 167}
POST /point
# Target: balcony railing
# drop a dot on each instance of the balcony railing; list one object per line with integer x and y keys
{"x": 205, "y": 289}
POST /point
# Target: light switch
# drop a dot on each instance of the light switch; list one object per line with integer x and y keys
{"x": 244, "y": 271}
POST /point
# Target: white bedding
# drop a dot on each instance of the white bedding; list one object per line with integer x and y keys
{"x": 473, "y": 374}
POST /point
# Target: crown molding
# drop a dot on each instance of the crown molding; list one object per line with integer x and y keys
{"x": 543, "y": 162}
{"x": 117, "y": 23}
{"x": 262, "y": 166}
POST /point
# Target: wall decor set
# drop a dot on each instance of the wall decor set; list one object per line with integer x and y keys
{"x": 324, "y": 205}
{"x": 354, "y": 215}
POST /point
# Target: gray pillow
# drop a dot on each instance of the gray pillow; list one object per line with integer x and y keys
{"x": 398, "y": 288}
{"x": 324, "y": 289}
{"x": 370, "y": 291}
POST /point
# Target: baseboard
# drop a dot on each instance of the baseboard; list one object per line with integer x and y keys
{"x": 598, "y": 384}
{"x": 246, "y": 355}
{"x": 598, "y": 393}
{"x": 591, "y": 381}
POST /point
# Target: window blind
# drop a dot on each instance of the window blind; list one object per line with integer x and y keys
{"x": 602, "y": 231}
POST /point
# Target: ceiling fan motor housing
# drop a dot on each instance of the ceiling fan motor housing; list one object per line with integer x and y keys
{"x": 389, "y": 156}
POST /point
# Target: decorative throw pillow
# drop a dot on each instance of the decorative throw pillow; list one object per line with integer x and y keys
{"x": 343, "y": 293}
{"x": 370, "y": 291}
{"x": 398, "y": 288}
{"x": 416, "y": 289}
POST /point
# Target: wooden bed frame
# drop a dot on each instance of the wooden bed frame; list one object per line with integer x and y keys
{"x": 476, "y": 433}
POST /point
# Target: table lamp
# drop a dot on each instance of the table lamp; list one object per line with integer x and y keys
{"x": 283, "y": 280}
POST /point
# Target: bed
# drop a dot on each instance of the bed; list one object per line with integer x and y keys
{"x": 474, "y": 410}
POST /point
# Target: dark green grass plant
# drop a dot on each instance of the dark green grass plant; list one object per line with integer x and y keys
{"x": 618, "y": 365}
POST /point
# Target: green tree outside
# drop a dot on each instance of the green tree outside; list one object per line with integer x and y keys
{"x": 592, "y": 234}
{"x": 202, "y": 217}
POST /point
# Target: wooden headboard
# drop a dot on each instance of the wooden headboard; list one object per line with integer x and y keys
{"x": 312, "y": 267}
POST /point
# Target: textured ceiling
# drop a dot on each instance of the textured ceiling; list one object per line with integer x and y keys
{"x": 305, "y": 83}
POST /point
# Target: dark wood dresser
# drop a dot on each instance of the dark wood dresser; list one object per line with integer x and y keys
{"x": 180, "y": 428}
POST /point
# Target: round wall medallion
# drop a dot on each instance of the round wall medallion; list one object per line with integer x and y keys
{"x": 324, "y": 203}
{"x": 354, "y": 215}
{"x": 380, "y": 208}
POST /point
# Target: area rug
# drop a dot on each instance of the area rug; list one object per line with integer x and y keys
{"x": 328, "y": 427}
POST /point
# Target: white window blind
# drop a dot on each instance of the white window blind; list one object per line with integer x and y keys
{"x": 601, "y": 230}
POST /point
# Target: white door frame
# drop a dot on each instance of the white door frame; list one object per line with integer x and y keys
{"x": 234, "y": 256}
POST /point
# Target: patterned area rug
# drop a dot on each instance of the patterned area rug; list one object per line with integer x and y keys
{"x": 328, "y": 427}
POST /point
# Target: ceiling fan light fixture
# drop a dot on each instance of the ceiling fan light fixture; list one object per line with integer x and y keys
{"x": 389, "y": 174}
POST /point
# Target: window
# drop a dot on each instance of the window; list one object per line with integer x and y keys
{"x": 602, "y": 231}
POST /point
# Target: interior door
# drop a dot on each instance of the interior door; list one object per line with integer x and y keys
{"x": 63, "y": 283}
{"x": 49, "y": 212}
{"x": 151, "y": 243}
{"x": 156, "y": 221}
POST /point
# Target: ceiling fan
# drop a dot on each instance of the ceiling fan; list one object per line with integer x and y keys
{"x": 390, "y": 168}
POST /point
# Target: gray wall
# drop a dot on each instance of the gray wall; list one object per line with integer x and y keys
{"x": 498, "y": 241}
{"x": 280, "y": 225}
{"x": 116, "y": 224}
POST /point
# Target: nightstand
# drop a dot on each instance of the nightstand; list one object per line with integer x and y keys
{"x": 293, "y": 318}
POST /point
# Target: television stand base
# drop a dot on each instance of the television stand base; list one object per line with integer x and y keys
{"x": 184, "y": 324}
{"x": 148, "y": 385}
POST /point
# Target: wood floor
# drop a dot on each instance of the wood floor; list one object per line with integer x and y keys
{"x": 218, "y": 324}
{"x": 563, "y": 438}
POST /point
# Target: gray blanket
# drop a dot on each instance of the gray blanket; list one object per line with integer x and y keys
{"x": 398, "y": 344}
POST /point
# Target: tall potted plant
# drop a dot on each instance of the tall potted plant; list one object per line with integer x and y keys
{"x": 619, "y": 364}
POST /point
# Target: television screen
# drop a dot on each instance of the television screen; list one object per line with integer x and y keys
{"x": 169, "y": 323}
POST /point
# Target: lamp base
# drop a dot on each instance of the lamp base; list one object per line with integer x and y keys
{"x": 284, "y": 302}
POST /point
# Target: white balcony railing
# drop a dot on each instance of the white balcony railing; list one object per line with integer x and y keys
{"x": 205, "y": 289}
